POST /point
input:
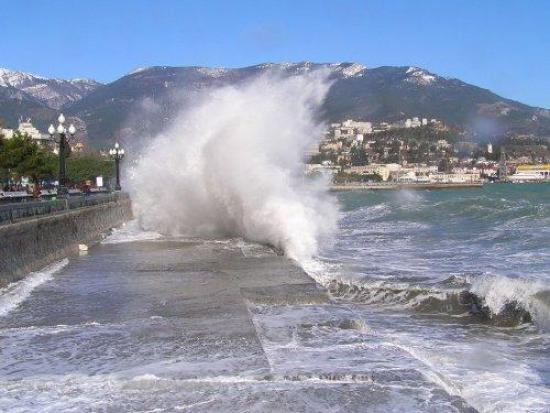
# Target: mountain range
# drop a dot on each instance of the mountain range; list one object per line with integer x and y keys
{"x": 115, "y": 111}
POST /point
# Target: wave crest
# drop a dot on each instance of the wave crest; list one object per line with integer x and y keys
{"x": 232, "y": 166}
{"x": 517, "y": 304}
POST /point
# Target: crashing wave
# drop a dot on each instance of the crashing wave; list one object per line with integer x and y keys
{"x": 235, "y": 166}
{"x": 493, "y": 300}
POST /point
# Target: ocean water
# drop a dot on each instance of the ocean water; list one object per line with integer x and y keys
{"x": 459, "y": 279}
{"x": 439, "y": 303}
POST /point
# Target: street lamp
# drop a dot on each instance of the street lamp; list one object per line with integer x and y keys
{"x": 62, "y": 141}
{"x": 117, "y": 153}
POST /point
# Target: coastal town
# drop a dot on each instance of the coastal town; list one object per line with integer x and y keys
{"x": 425, "y": 151}
{"x": 413, "y": 152}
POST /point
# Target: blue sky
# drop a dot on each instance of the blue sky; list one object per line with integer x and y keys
{"x": 500, "y": 45}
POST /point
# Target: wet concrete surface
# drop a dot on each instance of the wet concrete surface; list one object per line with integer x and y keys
{"x": 191, "y": 325}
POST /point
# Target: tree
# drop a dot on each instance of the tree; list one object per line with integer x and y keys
{"x": 37, "y": 165}
{"x": 20, "y": 156}
{"x": 358, "y": 156}
{"x": 345, "y": 177}
{"x": 85, "y": 167}
{"x": 318, "y": 158}
{"x": 445, "y": 165}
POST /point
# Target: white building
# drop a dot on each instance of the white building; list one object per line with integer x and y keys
{"x": 413, "y": 123}
{"x": 384, "y": 170}
{"x": 454, "y": 178}
{"x": 418, "y": 169}
{"x": 416, "y": 122}
{"x": 531, "y": 173}
{"x": 409, "y": 177}
{"x": 331, "y": 146}
{"x": 7, "y": 133}
{"x": 359, "y": 127}
{"x": 27, "y": 128}
{"x": 326, "y": 168}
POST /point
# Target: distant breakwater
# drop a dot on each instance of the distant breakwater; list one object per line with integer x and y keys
{"x": 30, "y": 244}
{"x": 360, "y": 186}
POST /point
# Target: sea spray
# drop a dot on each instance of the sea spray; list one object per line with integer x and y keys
{"x": 232, "y": 165}
{"x": 14, "y": 294}
{"x": 530, "y": 295}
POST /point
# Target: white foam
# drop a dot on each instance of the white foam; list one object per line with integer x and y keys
{"x": 321, "y": 271}
{"x": 497, "y": 291}
{"x": 481, "y": 373}
{"x": 233, "y": 167}
{"x": 131, "y": 232}
{"x": 14, "y": 294}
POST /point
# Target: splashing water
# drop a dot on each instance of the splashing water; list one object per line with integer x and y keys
{"x": 14, "y": 294}
{"x": 232, "y": 166}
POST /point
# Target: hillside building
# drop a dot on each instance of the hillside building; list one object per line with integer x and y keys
{"x": 384, "y": 170}
{"x": 414, "y": 122}
{"x": 7, "y": 133}
{"x": 27, "y": 128}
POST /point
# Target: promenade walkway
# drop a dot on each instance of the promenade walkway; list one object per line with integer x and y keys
{"x": 193, "y": 325}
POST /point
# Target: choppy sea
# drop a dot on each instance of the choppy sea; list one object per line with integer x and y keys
{"x": 459, "y": 279}
{"x": 440, "y": 303}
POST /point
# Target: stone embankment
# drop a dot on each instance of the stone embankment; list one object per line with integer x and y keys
{"x": 28, "y": 244}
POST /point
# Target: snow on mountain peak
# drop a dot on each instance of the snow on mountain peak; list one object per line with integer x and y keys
{"x": 354, "y": 70}
{"x": 83, "y": 80}
{"x": 344, "y": 69}
{"x": 5, "y": 72}
{"x": 419, "y": 76}
{"x": 348, "y": 69}
{"x": 214, "y": 72}
{"x": 138, "y": 70}
{"x": 53, "y": 92}
{"x": 13, "y": 78}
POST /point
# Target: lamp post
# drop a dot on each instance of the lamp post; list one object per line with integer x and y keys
{"x": 62, "y": 141}
{"x": 117, "y": 153}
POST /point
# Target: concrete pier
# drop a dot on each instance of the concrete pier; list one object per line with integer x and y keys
{"x": 194, "y": 325}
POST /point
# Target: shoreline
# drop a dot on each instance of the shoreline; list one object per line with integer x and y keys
{"x": 358, "y": 186}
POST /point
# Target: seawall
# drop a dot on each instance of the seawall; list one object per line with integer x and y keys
{"x": 30, "y": 244}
